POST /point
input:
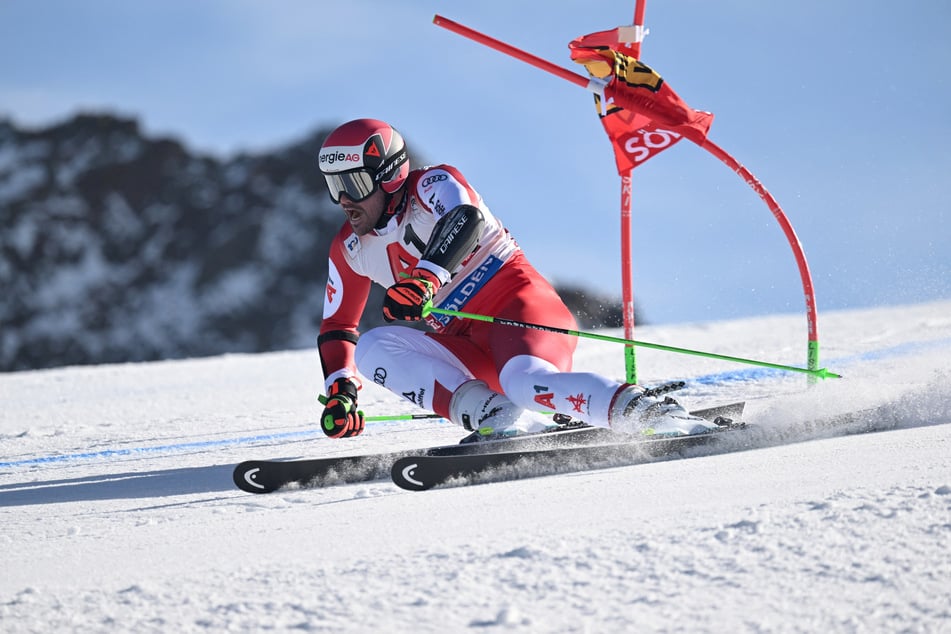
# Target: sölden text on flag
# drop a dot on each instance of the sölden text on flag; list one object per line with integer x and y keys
{"x": 643, "y": 116}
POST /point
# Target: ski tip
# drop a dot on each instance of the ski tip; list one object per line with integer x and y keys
{"x": 405, "y": 474}
{"x": 245, "y": 477}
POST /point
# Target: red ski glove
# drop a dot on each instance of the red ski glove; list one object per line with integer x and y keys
{"x": 341, "y": 418}
{"x": 405, "y": 300}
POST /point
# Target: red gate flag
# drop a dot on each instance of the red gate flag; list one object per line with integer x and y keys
{"x": 644, "y": 116}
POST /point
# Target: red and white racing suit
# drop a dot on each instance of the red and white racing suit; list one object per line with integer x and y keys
{"x": 531, "y": 367}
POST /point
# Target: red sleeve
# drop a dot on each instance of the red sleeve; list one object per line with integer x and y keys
{"x": 343, "y": 306}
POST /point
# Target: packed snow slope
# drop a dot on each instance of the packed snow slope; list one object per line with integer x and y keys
{"x": 119, "y": 513}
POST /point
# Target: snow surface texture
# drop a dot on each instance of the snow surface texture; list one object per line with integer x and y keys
{"x": 119, "y": 513}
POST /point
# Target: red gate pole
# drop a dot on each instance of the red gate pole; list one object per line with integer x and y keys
{"x": 597, "y": 86}
{"x": 627, "y": 209}
{"x": 812, "y": 317}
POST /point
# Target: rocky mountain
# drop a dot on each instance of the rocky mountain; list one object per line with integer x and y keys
{"x": 118, "y": 247}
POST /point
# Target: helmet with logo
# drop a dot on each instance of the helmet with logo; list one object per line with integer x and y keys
{"x": 360, "y": 156}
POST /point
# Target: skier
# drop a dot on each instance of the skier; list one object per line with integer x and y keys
{"x": 427, "y": 236}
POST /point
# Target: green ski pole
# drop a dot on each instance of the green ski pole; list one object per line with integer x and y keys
{"x": 821, "y": 373}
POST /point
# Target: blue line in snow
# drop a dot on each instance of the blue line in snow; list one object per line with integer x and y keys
{"x": 132, "y": 451}
{"x": 756, "y": 374}
{"x": 748, "y": 374}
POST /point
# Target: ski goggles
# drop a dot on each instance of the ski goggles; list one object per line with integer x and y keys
{"x": 356, "y": 184}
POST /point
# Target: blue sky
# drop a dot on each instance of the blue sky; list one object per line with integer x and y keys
{"x": 840, "y": 108}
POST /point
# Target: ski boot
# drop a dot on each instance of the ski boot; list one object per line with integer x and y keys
{"x": 635, "y": 410}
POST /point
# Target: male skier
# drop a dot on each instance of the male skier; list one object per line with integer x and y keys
{"x": 427, "y": 236}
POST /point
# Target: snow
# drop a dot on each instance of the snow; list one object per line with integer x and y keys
{"x": 119, "y": 514}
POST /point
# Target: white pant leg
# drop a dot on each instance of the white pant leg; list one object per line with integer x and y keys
{"x": 536, "y": 384}
{"x": 408, "y": 363}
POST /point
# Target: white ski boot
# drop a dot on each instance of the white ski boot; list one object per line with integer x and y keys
{"x": 635, "y": 411}
{"x": 490, "y": 415}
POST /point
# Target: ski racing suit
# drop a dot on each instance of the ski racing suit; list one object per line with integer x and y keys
{"x": 531, "y": 367}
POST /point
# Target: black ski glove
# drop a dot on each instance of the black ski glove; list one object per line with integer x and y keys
{"x": 341, "y": 418}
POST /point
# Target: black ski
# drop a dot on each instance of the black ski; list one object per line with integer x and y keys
{"x": 418, "y": 473}
{"x": 266, "y": 476}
